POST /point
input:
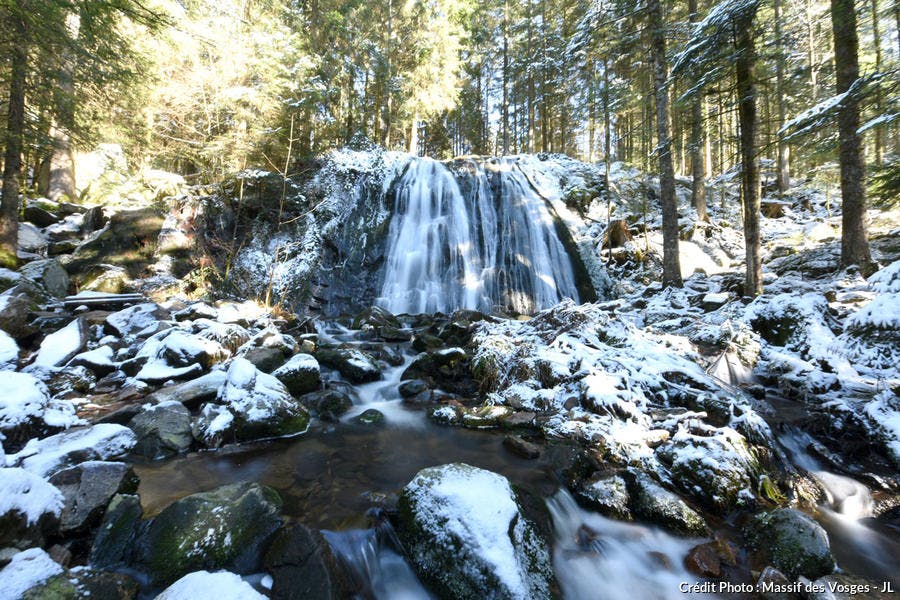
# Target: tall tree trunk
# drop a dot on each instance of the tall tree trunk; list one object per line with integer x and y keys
{"x": 61, "y": 185}
{"x": 782, "y": 168}
{"x": 854, "y": 245}
{"x": 671, "y": 263}
{"x": 879, "y": 143}
{"x": 698, "y": 180}
{"x": 15, "y": 128}
{"x": 749, "y": 133}
{"x": 505, "y": 104}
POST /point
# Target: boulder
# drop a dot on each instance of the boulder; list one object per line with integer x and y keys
{"x": 29, "y": 509}
{"x": 521, "y": 447}
{"x": 770, "y": 580}
{"x": 48, "y": 273}
{"x": 303, "y": 566}
{"x": 265, "y": 359}
{"x": 26, "y": 570}
{"x": 606, "y": 494}
{"x": 250, "y": 405}
{"x": 100, "y": 361}
{"x": 163, "y": 430}
{"x": 46, "y": 456}
{"x": 31, "y": 240}
{"x": 39, "y": 216}
{"x": 792, "y": 542}
{"x": 300, "y": 374}
{"x": 465, "y": 533}
{"x": 370, "y": 416}
{"x": 60, "y": 347}
{"x": 652, "y": 502}
{"x": 15, "y": 310}
{"x": 27, "y": 410}
{"x": 107, "y": 279}
{"x": 328, "y": 405}
{"x": 85, "y": 583}
{"x": 447, "y": 369}
{"x": 226, "y": 528}
{"x": 375, "y": 317}
{"x": 88, "y": 489}
{"x": 203, "y": 585}
{"x": 714, "y": 469}
{"x": 191, "y": 393}
{"x": 133, "y": 320}
{"x": 354, "y": 365}
{"x": 412, "y": 387}
{"x": 114, "y": 543}
{"x": 230, "y": 335}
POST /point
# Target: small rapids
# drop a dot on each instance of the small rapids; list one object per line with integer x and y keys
{"x": 846, "y": 516}
{"x": 374, "y": 560}
{"x": 596, "y": 557}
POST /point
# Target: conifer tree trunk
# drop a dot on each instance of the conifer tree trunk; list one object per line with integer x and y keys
{"x": 698, "y": 180}
{"x": 15, "y": 127}
{"x": 671, "y": 263}
{"x": 782, "y": 170}
{"x": 749, "y": 132}
{"x": 854, "y": 245}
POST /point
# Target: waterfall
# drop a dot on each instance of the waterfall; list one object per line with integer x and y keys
{"x": 482, "y": 240}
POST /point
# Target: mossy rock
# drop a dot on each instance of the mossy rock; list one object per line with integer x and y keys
{"x": 466, "y": 534}
{"x": 226, "y": 528}
{"x": 129, "y": 242}
{"x": 652, "y": 502}
{"x": 792, "y": 542}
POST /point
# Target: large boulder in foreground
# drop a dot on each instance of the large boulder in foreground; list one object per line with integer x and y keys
{"x": 467, "y": 537}
{"x": 88, "y": 489}
{"x": 792, "y": 542}
{"x": 226, "y": 528}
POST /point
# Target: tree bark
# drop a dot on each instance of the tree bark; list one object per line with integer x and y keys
{"x": 671, "y": 263}
{"x": 782, "y": 169}
{"x": 15, "y": 127}
{"x": 749, "y": 133}
{"x": 698, "y": 179}
{"x": 876, "y": 36}
{"x": 854, "y": 244}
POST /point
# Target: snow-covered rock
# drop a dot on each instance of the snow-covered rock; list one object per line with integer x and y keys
{"x": 29, "y": 508}
{"x": 714, "y": 468}
{"x": 9, "y": 352}
{"x": 100, "y": 361}
{"x": 59, "y": 347}
{"x": 26, "y": 409}
{"x": 654, "y": 503}
{"x": 162, "y": 430}
{"x": 465, "y": 533}
{"x": 48, "y": 273}
{"x": 300, "y": 374}
{"x": 96, "y": 442}
{"x": 203, "y": 585}
{"x": 133, "y": 320}
{"x": 27, "y": 569}
{"x": 250, "y": 405}
{"x": 355, "y": 365}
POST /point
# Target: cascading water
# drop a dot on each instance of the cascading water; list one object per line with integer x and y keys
{"x": 596, "y": 557}
{"x": 846, "y": 515}
{"x": 486, "y": 242}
